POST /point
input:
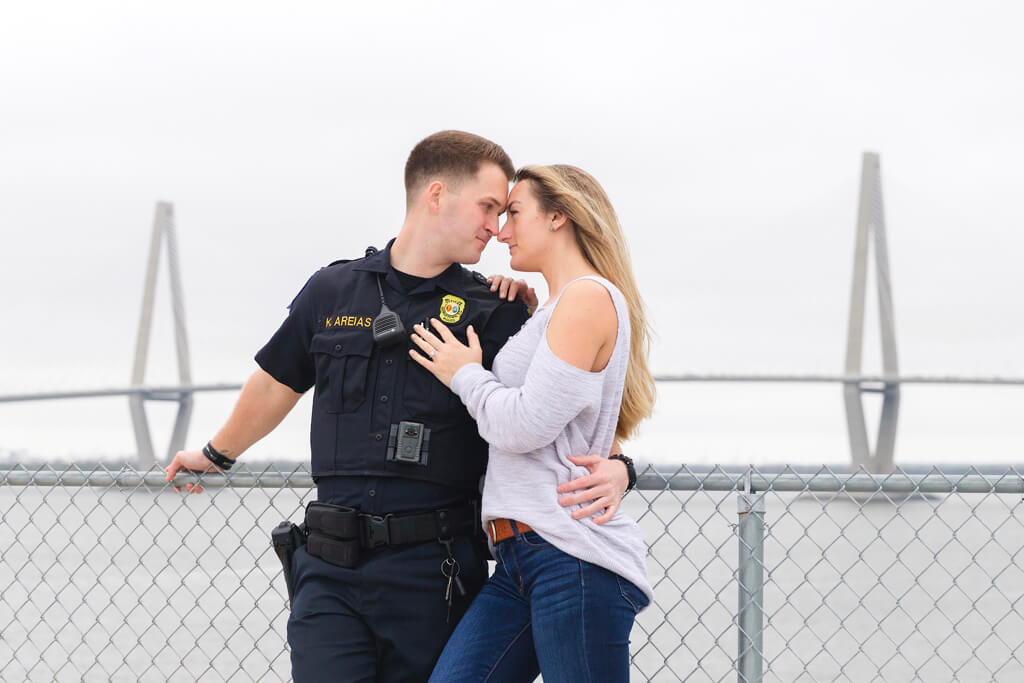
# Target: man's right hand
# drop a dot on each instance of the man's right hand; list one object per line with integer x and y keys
{"x": 189, "y": 461}
{"x": 261, "y": 406}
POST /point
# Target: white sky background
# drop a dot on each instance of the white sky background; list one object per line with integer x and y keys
{"x": 729, "y": 136}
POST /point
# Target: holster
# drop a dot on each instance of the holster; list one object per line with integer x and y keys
{"x": 287, "y": 538}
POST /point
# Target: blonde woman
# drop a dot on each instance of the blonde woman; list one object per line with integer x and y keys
{"x": 564, "y": 594}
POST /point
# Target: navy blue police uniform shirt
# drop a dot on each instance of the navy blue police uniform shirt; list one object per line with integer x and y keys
{"x": 361, "y": 390}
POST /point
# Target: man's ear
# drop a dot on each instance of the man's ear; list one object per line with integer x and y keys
{"x": 433, "y": 192}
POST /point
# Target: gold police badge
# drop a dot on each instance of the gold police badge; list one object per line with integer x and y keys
{"x": 452, "y": 308}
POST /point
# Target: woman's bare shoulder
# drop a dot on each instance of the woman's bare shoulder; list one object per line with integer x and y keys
{"x": 587, "y": 296}
{"x": 583, "y": 321}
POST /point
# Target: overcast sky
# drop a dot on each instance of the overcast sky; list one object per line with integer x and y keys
{"x": 729, "y": 136}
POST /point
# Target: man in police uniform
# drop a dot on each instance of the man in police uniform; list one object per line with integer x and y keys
{"x": 395, "y": 553}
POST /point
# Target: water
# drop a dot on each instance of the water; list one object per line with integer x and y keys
{"x": 692, "y": 423}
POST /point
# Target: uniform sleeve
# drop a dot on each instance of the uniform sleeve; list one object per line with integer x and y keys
{"x": 286, "y": 356}
{"x": 523, "y": 419}
{"x": 502, "y": 324}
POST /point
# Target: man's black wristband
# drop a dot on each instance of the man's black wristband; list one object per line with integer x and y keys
{"x": 630, "y": 469}
{"x": 218, "y": 459}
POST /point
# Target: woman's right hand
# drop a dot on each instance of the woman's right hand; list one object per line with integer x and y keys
{"x": 510, "y": 289}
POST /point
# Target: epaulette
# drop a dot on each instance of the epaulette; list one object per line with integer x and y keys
{"x": 477, "y": 282}
{"x": 332, "y": 263}
{"x": 369, "y": 250}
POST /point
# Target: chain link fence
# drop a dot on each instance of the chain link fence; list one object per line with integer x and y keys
{"x": 771, "y": 574}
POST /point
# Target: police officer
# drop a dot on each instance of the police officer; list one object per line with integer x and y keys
{"x": 394, "y": 552}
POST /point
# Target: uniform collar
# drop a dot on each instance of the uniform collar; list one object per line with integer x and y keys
{"x": 450, "y": 279}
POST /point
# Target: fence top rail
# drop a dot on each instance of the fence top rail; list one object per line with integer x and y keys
{"x": 954, "y": 479}
{"x": 842, "y": 379}
{"x": 829, "y": 480}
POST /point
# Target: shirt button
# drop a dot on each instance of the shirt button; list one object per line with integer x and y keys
{"x": 378, "y": 437}
{"x": 383, "y": 399}
{"x": 371, "y": 493}
{"x": 337, "y": 347}
{"x": 388, "y": 362}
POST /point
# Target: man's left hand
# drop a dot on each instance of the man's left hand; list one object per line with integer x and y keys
{"x": 603, "y": 488}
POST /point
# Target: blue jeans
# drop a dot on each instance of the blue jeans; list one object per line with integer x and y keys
{"x": 543, "y": 611}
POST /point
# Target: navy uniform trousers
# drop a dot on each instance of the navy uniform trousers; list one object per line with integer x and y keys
{"x": 385, "y": 620}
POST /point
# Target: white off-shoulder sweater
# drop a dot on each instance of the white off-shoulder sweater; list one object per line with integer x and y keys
{"x": 535, "y": 410}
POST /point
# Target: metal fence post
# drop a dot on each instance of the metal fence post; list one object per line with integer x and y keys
{"x": 750, "y": 617}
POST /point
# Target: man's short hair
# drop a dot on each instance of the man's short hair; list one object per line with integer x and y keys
{"x": 454, "y": 155}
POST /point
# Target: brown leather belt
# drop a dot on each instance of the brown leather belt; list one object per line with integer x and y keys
{"x": 502, "y": 529}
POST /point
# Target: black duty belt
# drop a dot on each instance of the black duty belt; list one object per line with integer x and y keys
{"x": 339, "y": 534}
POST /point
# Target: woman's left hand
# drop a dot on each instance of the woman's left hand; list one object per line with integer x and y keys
{"x": 510, "y": 289}
{"x": 444, "y": 354}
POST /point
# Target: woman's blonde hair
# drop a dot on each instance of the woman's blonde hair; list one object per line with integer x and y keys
{"x": 575, "y": 193}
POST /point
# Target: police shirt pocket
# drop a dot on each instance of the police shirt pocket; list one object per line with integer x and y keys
{"x": 427, "y": 397}
{"x": 342, "y": 368}
{"x": 445, "y": 395}
{"x": 421, "y": 392}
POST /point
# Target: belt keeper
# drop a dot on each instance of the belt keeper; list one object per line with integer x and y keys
{"x": 474, "y": 507}
{"x": 444, "y": 524}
